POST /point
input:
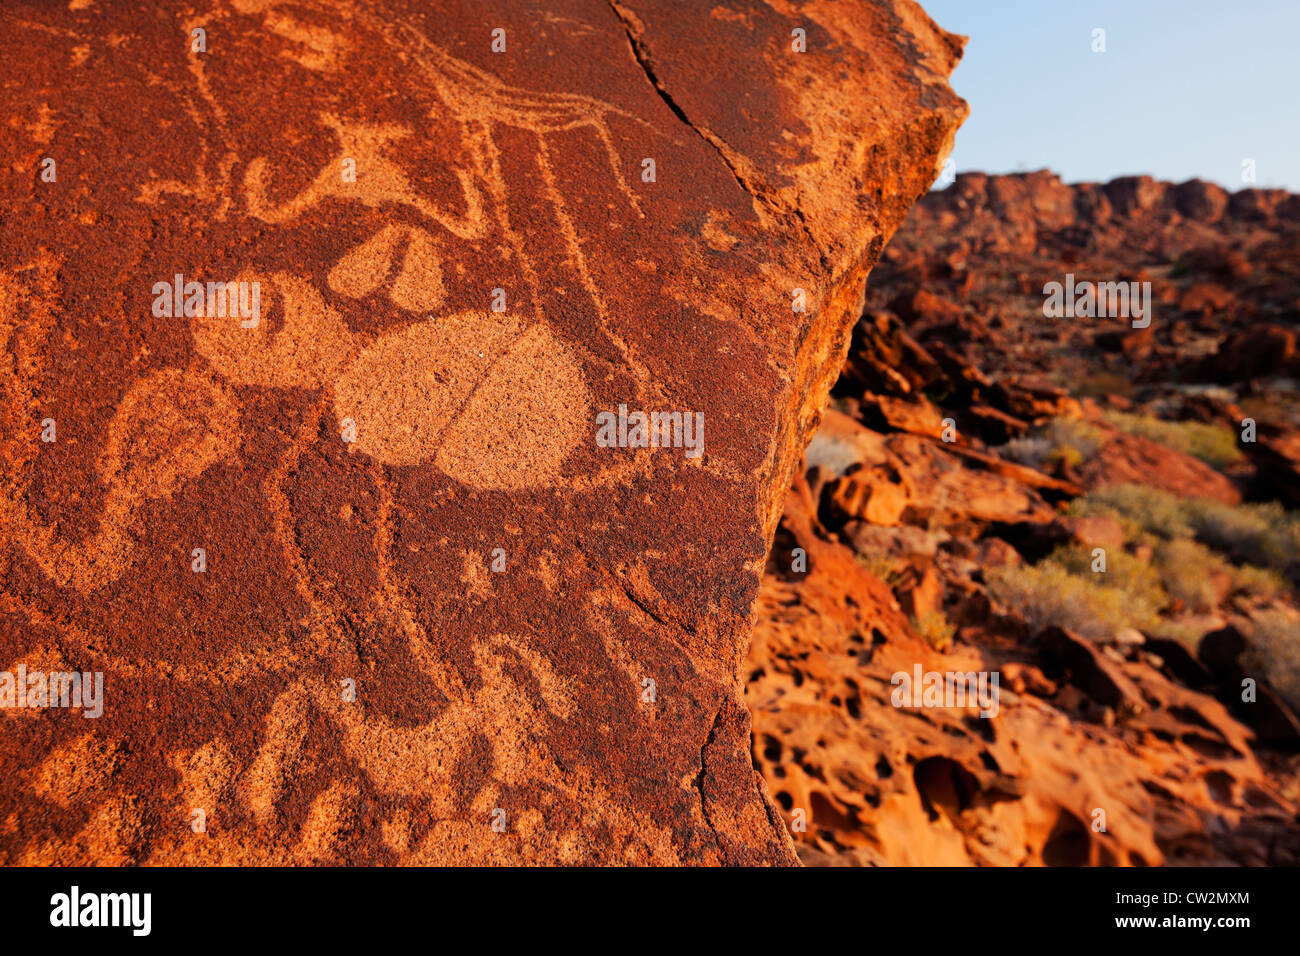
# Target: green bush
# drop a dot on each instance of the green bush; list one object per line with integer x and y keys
{"x": 1047, "y": 594}
{"x": 1138, "y": 508}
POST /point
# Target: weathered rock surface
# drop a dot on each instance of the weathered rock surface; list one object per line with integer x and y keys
{"x": 1173, "y": 773}
{"x": 462, "y": 259}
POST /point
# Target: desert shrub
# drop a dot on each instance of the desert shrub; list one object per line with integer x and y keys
{"x": 1276, "y": 651}
{"x": 1187, "y": 632}
{"x": 1048, "y": 594}
{"x": 1138, "y": 580}
{"x": 882, "y": 566}
{"x": 1068, "y": 440}
{"x": 1187, "y": 569}
{"x": 1192, "y": 540}
{"x": 1072, "y": 433}
{"x": 1091, "y": 507}
{"x": 1138, "y": 508}
{"x": 1263, "y": 535}
{"x": 1031, "y": 450}
{"x": 1215, "y": 445}
{"x": 1259, "y": 583}
{"x": 1067, "y": 455}
{"x": 935, "y": 627}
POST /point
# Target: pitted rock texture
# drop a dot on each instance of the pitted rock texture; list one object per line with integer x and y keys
{"x": 462, "y": 259}
{"x": 1178, "y": 780}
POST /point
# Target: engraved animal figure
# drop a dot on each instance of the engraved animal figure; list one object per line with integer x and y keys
{"x": 495, "y": 400}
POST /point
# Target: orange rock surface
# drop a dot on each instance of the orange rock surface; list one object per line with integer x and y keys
{"x": 1171, "y": 738}
{"x": 362, "y": 585}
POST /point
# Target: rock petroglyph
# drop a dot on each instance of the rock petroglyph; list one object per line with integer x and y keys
{"x": 363, "y": 586}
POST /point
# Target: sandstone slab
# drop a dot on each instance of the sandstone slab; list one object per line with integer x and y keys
{"x": 363, "y": 583}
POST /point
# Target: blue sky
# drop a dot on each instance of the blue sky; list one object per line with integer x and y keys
{"x": 1185, "y": 89}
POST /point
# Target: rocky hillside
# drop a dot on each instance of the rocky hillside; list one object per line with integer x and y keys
{"x": 1097, "y": 509}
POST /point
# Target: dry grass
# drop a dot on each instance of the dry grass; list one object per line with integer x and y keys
{"x": 1198, "y": 551}
{"x": 1048, "y": 594}
{"x": 936, "y": 629}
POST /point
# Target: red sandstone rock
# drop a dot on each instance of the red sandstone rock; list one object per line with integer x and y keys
{"x": 1206, "y": 297}
{"x": 1096, "y": 531}
{"x": 874, "y": 494}
{"x": 462, "y": 259}
{"x": 874, "y": 783}
{"x": 1200, "y": 200}
{"x": 1276, "y": 456}
{"x": 1089, "y": 669}
{"x": 917, "y": 417}
{"x": 1253, "y": 352}
{"x": 1128, "y": 459}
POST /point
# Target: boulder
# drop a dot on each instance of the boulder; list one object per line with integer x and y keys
{"x": 1197, "y": 199}
{"x": 1229, "y": 653}
{"x": 1089, "y": 669}
{"x": 1251, "y": 353}
{"x": 1131, "y": 459}
{"x": 876, "y": 495}
{"x": 393, "y": 566}
{"x": 1276, "y": 456}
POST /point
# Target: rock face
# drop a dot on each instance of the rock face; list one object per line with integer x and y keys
{"x": 363, "y": 581}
